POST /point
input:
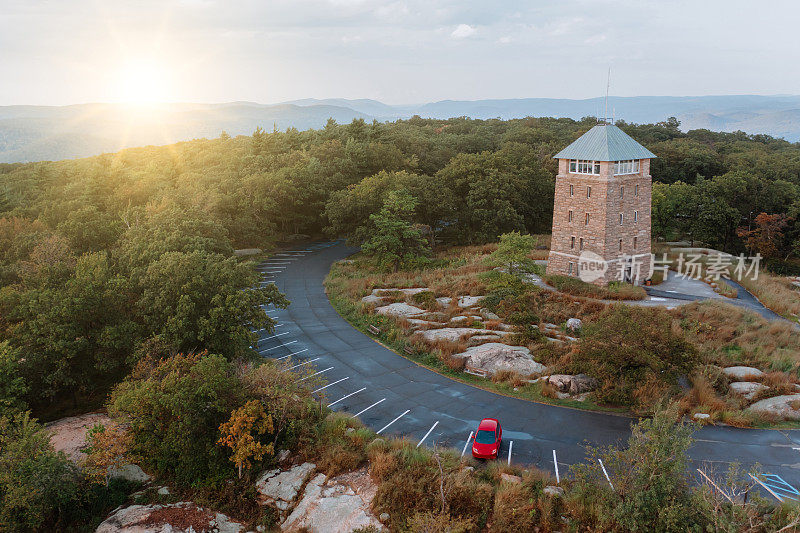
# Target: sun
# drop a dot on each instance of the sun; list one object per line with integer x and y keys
{"x": 143, "y": 82}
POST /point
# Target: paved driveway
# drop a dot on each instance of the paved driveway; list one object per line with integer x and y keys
{"x": 395, "y": 396}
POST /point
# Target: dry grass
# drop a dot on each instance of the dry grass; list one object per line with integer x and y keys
{"x": 725, "y": 289}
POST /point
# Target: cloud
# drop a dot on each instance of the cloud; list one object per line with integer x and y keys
{"x": 462, "y": 31}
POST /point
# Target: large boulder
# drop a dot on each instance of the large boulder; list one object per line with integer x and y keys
{"x": 742, "y": 373}
{"x": 494, "y": 356}
{"x": 280, "y": 488}
{"x": 747, "y": 389}
{"x": 173, "y": 518}
{"x": 371, "y": 299}
{"x": 574, "y": 324}
{"x": 469, "y": 301}
{"x": 785, "y": 407}
{"x": 68, "y": 435}
{"x": 338, "y": 505}
{"x": 455, "y": 334}
{"x": 129, "y": 472}
{"x": 577, "y": 384}
{"x": 405, "y": 292}
{"x": 400, "y": 309}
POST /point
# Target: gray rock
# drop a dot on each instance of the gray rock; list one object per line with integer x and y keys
{"x": 130, "y": 473}
{"x": 742, "y": 373}
{"x": 372, "y": 300}
{"x": 747, "y": 389}
{"x": 510, "y": 478}
{"x": 453, "y": 334}
{"x": 399, "y": 309}
{"x": 576, "y": 384}
{"x": 488, "y": 315}
{"x": 494, "y": 356}
{"x": 461, "y": 319}
{"x": 444, "y": 301}
{"x": 406, "y": 292}
{"x": 779, "y": 406}
{"x": 574, "y": 324}
{"x": 384, "y": 517}
{"x": 283, "y": 455}
{"x": 281, "y": 488}
{"x": 469, "y": 301}
{"x": 163, "y": 491}
{"x": 134, "y": 519}
{"x": 338, "y": 506}
{"x": 701, "y": 416}
{"x": 553, "y": 491}
{"x": 482, "y": 339}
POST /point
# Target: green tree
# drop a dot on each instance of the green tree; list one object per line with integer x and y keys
{"x": 396, "y": 241}
{"x": 12, "y": 385}
{"x": 38, "y": 487}
{"x": 512, "y": 251}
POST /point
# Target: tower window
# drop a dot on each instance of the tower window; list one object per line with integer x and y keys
{"x": 580, "y": 246}
{"x": 621, "y": 191}
{"x": 636, "y": 216}
{"x": 569, "y": 271}
{"x": 572, "y": 190}
{"x": 634, "y": 242}
{"x": 572, "y": 242}
{"x": 588, "y": 192}
{"x": 584, "y": 166}
{"x": 630, "y": 166}
{"x": 620, "y": 245}
{"x": 636, "y": 191}
{"x": 621, "y": 218}
{"x": 587, "y": 219}
{"x": 570, "y": 216}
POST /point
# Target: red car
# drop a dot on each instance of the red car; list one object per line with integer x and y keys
{"x": 486, "y": 444}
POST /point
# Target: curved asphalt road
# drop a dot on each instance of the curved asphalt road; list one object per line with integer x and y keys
{"x": 394, "y": 396}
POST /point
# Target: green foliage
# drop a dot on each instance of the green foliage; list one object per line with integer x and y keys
{"x": 651, "y": 484}
{"x": 12, "y": 385}
{"x": 37, "y": 485}
{"x": 614, "y": 291}
{"x": 395, "y": 240}
{"x": 512, "y": 252}
{"x": 630, "y": 349}
{"x": 174, "y": 409}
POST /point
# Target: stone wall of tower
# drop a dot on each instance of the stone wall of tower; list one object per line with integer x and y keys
{"x": 603, "y": 231}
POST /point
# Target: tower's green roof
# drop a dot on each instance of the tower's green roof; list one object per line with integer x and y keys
{"x": 605, "y": 142}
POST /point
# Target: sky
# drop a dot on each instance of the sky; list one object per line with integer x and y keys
{"x": 60, "y": 52}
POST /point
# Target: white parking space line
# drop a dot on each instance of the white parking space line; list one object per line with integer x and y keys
{"x": 426, "y": 434}
{"x": 347, "y": 396}
{"x": 276, "y": 347}
{"x": 291, "y": 354}
{"x": 329, "y": 385}
{"x": 368, "y": 408}
{"x": 393, "y": 421}
{"x": 510, "y": 445}
{"x": 315, "y": 373}
{"x": 466, "y": 444}
{"x": 273, "y": 336}
{"x": 301, "y": 364}
{"x": 555, "y": 463}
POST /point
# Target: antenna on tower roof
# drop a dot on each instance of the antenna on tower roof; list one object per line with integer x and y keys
{"x": 608, "y": 86}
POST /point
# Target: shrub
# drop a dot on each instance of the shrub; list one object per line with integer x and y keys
{"x": 626, "y": 345}
{"x": 614, "y": 291}
{"x": 38, "y": 487}
{"x": 175, "y": 412}
{"x": 426, "y": 300}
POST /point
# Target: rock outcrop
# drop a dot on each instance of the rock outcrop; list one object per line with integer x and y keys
{"x": 455, "y": 334}
{"x": 747, "y": 389}
{"x": 742, "y": 373}
{"x": 785, "y": 407}
{"x": 577, "y": 384}
{"x": 280, "y": 488}
{"x": 173, "y": 518}
{"x": 400, "y": 309}
{"x": 338, "y": 505}
{"x": 494, "y": 356}
{"x": 68, "y": 435}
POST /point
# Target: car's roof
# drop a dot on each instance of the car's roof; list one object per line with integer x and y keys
{"x": 488, "y": 423}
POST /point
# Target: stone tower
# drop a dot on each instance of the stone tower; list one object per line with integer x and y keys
{"x": 601, "y": 213}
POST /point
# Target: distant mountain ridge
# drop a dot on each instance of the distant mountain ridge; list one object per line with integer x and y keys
{"x": 32, "y": 133}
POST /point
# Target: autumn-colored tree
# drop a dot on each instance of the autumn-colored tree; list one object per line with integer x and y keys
{"x": 241, "y": 433}
{"x": 108, "y": 450}
{"x": 767, "y": 236}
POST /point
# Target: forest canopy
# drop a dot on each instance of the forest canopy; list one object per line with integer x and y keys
{"x": 109, "y": 259}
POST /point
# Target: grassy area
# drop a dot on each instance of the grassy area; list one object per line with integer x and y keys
{"x": 614, "y": 290}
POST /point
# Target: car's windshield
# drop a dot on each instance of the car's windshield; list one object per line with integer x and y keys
{"x": 484, "y": 436}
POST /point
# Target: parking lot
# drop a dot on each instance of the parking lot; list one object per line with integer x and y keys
{"x": 395, "y": 396}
